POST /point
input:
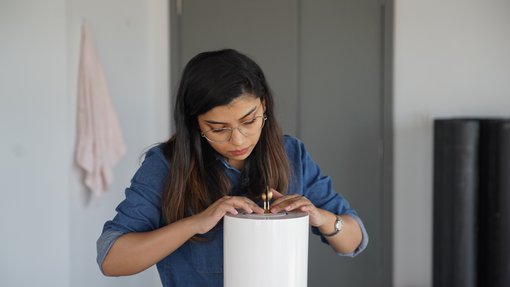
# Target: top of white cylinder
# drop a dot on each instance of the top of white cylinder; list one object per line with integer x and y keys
{"x": 269, "y": 216}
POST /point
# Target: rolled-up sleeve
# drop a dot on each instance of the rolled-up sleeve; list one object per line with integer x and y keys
{"x": 319, "y": 190}
{"x": 141, "y": 209}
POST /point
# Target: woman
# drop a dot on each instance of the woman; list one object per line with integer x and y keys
{"x": 227, "y": 149}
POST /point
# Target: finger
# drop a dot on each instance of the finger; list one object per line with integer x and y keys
{"x": 285, "y": 198}
{"x": 255, "y": 207}
{"x": 258, "y": 209}
{"x": 282, "y": 203}
{"x": 219, "y": 211}
{"x": 292, "y": 203}
{"x": 276, "y": 194}
{"x": 243, "y": 203}
{"x": 307, "y": 208}
{"x": 298, "y": 203}
{"x": 232, "y": 211}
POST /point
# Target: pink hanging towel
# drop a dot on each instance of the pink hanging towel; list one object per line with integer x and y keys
{"x": 99, "y": 143}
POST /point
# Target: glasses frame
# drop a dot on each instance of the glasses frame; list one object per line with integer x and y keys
{"x": 203, "y": 134}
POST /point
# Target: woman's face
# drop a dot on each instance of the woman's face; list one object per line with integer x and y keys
{"x": 233, "y": 130}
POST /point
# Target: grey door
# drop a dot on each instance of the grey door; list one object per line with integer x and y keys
{"x": 323, "y": 60}
{"x": 265, "y": 30}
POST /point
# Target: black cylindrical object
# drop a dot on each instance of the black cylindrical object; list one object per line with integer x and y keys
{"x": 494, "y": 196}
{"x": 455, "y": 202}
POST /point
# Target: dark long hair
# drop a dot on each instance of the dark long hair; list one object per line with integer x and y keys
{"x": 196, "y": 177}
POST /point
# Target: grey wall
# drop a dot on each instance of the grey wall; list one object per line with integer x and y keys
{"x": 48, "y": 230}
{"x": 34, "y": 204}
{"x": 451, "y": 58}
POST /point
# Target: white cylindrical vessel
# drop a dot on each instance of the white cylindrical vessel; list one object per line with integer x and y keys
{"x": 266, "y": 250}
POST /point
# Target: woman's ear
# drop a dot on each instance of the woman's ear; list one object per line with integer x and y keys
{"x": 263, "y": 104}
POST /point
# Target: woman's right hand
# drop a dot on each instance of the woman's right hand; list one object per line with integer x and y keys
{"x": 207, "y": 219}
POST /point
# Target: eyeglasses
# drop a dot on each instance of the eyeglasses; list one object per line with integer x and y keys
{"x": 247, "y": 128}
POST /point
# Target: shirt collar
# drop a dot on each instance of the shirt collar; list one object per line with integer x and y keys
{"x": 225, "y": 163}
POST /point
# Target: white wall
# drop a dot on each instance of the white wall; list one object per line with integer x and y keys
{"x": 49, "y": 225}
{"x": 451, "y": 58}
{"x": 34, "y": 150}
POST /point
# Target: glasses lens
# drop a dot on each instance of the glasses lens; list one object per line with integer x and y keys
{"x": 218, "y": 135}
{"x": 252, "y": 126}
{"x": 247, "y": 128}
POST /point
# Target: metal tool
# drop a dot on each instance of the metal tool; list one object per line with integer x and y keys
{"x": 266, "y": 198}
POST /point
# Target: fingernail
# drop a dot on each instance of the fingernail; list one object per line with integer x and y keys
{"x": 287, "y": 208}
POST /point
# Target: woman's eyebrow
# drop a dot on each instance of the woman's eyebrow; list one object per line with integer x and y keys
{"x": 249, "y": 113}
{"x": 221, "y": 123}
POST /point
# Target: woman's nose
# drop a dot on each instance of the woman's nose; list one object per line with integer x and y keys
{"x": 237, "y": 137}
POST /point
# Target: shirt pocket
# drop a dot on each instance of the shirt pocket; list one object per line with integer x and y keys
{"x": 207, "y": 256}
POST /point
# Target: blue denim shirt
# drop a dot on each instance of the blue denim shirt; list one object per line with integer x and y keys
{"x": 199, "y": 263}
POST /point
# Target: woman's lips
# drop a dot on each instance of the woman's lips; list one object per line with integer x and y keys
{"x": 239, "y": 152}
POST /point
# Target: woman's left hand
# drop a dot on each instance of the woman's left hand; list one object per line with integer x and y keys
{"x": 298, "y": 203}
